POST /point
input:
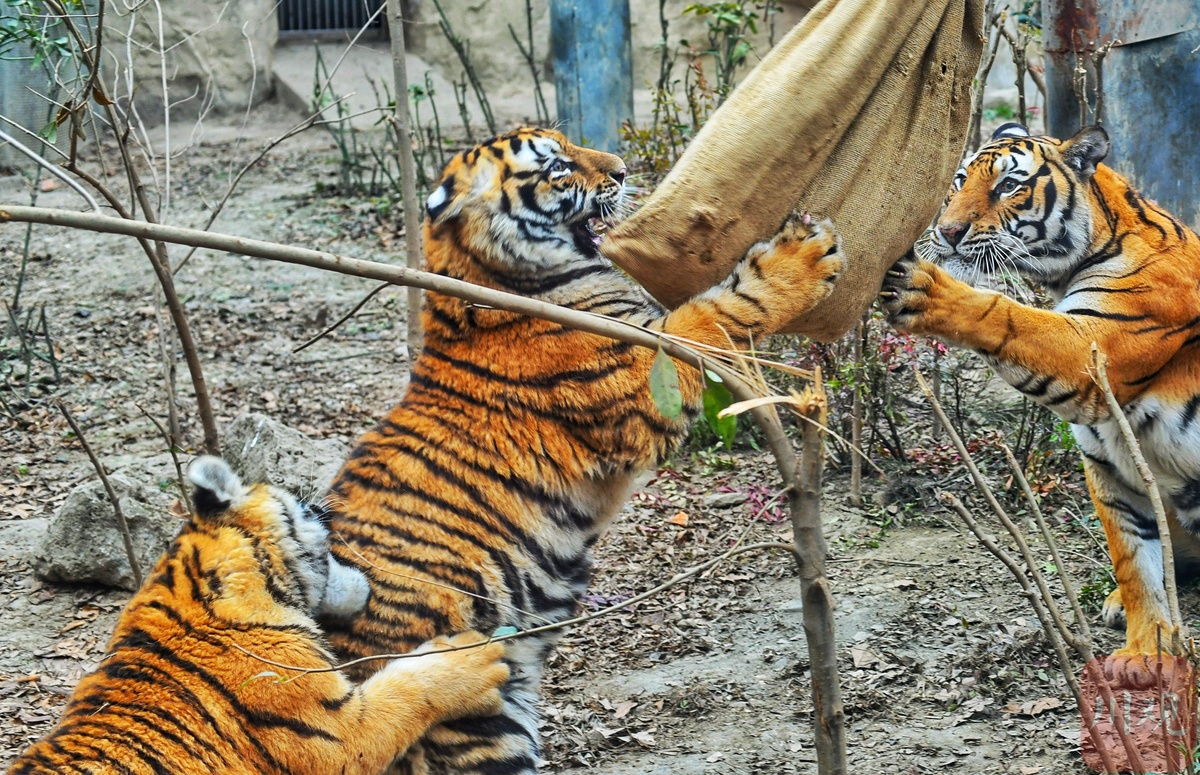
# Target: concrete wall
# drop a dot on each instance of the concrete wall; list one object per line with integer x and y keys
{"x": 218, "y": 54}
{"x": 484, "y": 24}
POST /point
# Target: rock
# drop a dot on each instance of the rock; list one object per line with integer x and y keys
{"x": 83, "y": 542}
{"x": 724, "y": 500}
{"x": 264, "y": 450}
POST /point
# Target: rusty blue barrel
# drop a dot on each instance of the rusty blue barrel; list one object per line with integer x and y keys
{"x": 1151, "y": 79}
{"x": 593, "y": 69}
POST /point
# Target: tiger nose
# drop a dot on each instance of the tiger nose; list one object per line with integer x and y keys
{"x": 618, "y": 174}
{"x": 952, "y": 232}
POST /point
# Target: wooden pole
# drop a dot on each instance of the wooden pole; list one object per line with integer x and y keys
{"x": 408, "y": 173}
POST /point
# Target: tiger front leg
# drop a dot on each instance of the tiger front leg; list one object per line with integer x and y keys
{"x": 775, "y": 282}
{"x": 406, "y": 698}
{"x": 1044, "y": 354}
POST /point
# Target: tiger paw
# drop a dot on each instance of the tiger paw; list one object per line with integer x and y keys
{"x": 904, "y": 296}
{"x": 805, "y": 257}
{"x": 464, "y": 674}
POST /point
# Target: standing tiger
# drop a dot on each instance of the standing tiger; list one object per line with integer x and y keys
{"x": 1125, "y": 275}
{"x": 476, "y": 501}
{"x": 179, "y": 693}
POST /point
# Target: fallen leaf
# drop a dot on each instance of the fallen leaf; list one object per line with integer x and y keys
{"x": 622, "y": 709}
{"x": 680, "y": 518}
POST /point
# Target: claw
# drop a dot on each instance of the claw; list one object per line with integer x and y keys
{"x": 897, "y": 273}
{"x": 887, "y": 294}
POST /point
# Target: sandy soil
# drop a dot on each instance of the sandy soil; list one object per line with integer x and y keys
{"x": 939, "y": 652}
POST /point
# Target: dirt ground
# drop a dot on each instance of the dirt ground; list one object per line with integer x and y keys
{"x": 942, "y": 661}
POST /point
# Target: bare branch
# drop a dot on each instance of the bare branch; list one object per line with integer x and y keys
{"x": 53, "y": 169}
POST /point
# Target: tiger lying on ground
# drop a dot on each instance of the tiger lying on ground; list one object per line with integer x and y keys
{"x": 177, "y": 694}
{"x": 476, "y": 501}
{"x": 1124, "y": 274}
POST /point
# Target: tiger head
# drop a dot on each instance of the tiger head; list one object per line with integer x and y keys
{"x": 1020, "y": 203}
{"x": 525, "y": 196}
{"x": 261, "y": 536}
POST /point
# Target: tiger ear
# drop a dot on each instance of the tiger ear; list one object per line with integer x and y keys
{"x": 1085, "y": 150}
{"x": 217, "y": 486}
{"x": 443, "y": 204}
{"x": 1011, "y": 129}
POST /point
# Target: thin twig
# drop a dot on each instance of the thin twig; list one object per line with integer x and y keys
{"x": 342, "y": 319}
{"x": 616, "y": 607}
{"x": 122, "y": 522}
{"x": 171, "y": 448}
{"x": 1036, "y": 509}
{"x": 50, "y": 167}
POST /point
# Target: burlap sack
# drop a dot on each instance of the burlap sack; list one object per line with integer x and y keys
{"x": 859, "y": 115}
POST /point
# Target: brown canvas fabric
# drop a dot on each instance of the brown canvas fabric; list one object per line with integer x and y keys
{"x": 859, "y": 114}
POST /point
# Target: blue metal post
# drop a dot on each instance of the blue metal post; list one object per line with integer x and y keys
{"x": 593, "y": 69}
{"x": 1151, "y": 89}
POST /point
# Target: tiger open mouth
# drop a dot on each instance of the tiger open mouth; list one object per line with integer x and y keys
{"x": 588, "y": 233}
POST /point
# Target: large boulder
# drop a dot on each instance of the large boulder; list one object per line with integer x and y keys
{"x": 83, "y": 543}
{"x": 264, "y": 450}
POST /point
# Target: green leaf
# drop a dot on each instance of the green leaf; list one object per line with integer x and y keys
{"x": 664, "y": 386}
{"x": 503, "y": 631}
{"x": 716, "y": 398}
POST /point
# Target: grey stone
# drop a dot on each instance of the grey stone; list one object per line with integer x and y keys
{"x": 261, "y": 449}
{"x": 724, "y": 500}
{"x": 83, "y": 543}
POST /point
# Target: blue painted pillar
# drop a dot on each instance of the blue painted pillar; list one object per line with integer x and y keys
{"x": 593, "y": 69}
{"x": 1151, "y": 86}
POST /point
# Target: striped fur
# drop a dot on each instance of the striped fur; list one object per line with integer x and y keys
{"x": 476, "y": 501}
{"x": 176, "y": 694}
{"x": 1124, "y": 274}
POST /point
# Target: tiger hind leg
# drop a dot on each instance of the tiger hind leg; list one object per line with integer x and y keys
{"x": 505, "y": 744}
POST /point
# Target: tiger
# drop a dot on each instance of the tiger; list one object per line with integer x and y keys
{"x": 477, "y": 500}
{"x": 1122, "y": 273}
{"x": 182, "y": 689}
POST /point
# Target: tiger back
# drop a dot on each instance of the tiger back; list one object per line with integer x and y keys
{"x": 184, "y": 688}
{"x": 1124, "y": 274}
{"x": 476, "y": 501}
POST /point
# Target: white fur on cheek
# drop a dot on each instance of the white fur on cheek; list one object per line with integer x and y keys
{"x": 346, "y": 591}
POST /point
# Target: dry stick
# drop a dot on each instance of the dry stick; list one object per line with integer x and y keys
{"x": 809, "y": 546}
{"x": 408, "y": 174}
{"x": 122, "y": 523}
{"x": 974, "y": 136}
{"x": 1040, "y": 600}
{"x": 313, "y": 120}
{"x": 1002, "y": 515}
{"x": 1068, "y": 587}
{"x": 612, "y": 609}
{"x": 1099, "y": 362}
{"x": 804, "y": 495}
{"x": 1084, "y": 708}
{"x": 342, "y": 319}
{"x": 171, "y": 448}
{"x": 856, "y": 413}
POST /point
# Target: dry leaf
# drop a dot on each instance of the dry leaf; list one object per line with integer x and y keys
{"x": 623, "y": 708}
{"x": 680, "y": 518}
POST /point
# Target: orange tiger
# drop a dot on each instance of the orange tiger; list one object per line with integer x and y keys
{"x": 1124, "y": 274}
{"x": 177, "y": 691}
{"x": 476, "y": 501}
